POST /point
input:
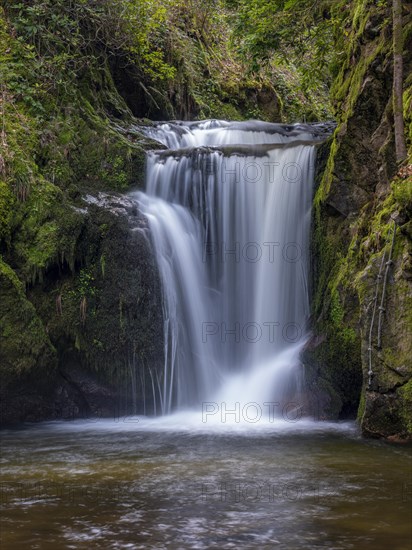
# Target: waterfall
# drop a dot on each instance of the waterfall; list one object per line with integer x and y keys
{"x": 229, "y": 209}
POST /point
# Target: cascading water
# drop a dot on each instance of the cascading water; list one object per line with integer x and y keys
{"x": 228, "y": 206}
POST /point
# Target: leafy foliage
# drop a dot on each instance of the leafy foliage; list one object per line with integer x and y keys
{"x": 68, "y": 36}
{"x": 296, "y": 34}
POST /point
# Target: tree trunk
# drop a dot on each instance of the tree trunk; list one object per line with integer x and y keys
{"x": 400, "y": 143}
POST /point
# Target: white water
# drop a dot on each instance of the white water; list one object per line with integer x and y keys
{"x": 230, "y": 222}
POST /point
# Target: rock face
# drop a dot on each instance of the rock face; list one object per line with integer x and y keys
{"x": 91, "y": 334}
{"x": 365, "y": 360}
{"x": 28, "y": 359}
{"x": 386, "y": 405}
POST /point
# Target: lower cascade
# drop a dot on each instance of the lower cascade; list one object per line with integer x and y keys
{"x": 229, "y": 211}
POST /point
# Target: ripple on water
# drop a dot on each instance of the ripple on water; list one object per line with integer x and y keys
{"x": 147, "y": 486}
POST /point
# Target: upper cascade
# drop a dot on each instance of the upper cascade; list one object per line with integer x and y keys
{"x": 215, "y": 133}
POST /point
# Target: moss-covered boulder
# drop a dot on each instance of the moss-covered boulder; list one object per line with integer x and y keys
{"x": 103, "y": 313}
{"x": 28, "y": 360}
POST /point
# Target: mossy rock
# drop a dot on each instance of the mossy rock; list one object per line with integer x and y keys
{"x": 7, "y": 202}
{"x": 28, "y": 360}
{"x": 104, "y": 316}
{"x": 405, "y": 394}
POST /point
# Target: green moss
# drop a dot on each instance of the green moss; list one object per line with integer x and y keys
{"x": 25, "y": 348}
{"x": 336, "y": 310}
{"x": 361, "y": 408}
{"x": 7, "y": 201}
{"x": 395, "y": 358}
{"x": 402, "y": 194}
{"x": 326, "y": 182}
{"x": 405, "y": 393}
{"x": 91, "y": 152}
{"x": 339, "y": 354}
{"x": 85, "y": 283}
{"x": 347, "y": 86}
{"x": 48, "y": 231}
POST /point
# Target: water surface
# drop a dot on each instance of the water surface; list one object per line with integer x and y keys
{"x": 177, "y": 484}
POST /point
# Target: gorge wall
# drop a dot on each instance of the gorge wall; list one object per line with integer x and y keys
{"x": 360, "y": 193}
{"x": 79, "y": 293}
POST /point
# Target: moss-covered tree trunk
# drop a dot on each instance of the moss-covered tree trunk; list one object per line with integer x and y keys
{"x": 400, "y": 142}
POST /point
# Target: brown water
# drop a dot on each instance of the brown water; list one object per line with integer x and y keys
{"x": 159, "y": 485}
